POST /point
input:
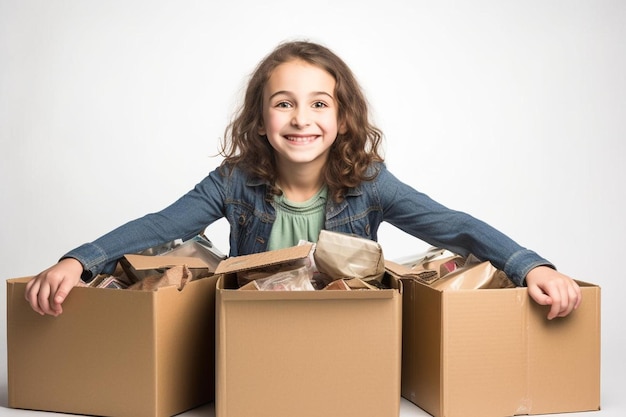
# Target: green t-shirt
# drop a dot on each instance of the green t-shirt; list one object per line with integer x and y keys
{"x": 298, "y": 221}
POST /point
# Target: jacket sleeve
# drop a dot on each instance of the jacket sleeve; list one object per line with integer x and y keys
{"x": 422, "y": 217}
{"x": 183, "y": 219}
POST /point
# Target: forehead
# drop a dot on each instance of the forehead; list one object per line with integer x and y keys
{"x": 298, "y": 76}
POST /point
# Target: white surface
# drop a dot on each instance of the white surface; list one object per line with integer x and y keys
{"x": 406, "y": 410}
{"x": 512, "y": 111}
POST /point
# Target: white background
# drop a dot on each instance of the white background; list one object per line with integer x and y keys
{"x": 514, "y": 111}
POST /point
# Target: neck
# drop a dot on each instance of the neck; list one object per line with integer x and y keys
{"x": 300, "y": 183}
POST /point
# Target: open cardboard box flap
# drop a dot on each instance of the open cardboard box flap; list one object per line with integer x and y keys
{"x": 396, "y": 268}
{"x": 147, "y": 262}
{"x": 257, "y": 260}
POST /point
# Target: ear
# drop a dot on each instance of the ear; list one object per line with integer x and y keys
{"x": 342, "y": 128}
{"x": 261, "y": 130}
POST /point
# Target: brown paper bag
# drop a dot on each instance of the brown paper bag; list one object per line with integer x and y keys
{"x": 340, "y": 255}
{"x": 473, "y": 275}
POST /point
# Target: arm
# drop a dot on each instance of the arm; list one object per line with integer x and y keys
{"x": 424, "y": 218}
{"x": 186, "y": 217}
{"x": 183, "y": 219}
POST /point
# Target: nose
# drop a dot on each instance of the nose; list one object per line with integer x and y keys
{"x": 300, "y": 118}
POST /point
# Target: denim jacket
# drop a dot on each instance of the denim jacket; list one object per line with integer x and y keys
{"x": 242, "y": 201}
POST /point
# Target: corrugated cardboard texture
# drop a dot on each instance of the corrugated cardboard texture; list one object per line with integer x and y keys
{"x": 308, "y": 353}
{"x": 493, "y": 353}
{"x": 113, "y": 352}
{"x": 570, "y": 347}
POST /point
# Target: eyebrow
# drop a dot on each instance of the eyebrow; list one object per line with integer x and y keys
{"x": 313, "y": 94}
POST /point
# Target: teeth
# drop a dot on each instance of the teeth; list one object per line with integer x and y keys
{"x": 300, "y": 138}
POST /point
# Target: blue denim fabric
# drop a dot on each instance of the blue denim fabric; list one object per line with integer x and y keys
{"x": 242, "y": 201}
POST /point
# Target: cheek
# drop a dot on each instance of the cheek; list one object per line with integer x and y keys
{"x": 274, "y": 142}
{"x": 272, "y": 122}
{"x": 332, "y": 124}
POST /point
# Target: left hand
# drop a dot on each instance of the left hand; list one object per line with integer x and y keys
{"x": 549, "y": 287}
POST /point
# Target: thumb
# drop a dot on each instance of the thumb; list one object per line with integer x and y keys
{"x": 539, "y": 296}
{"x": 60, "y": 295}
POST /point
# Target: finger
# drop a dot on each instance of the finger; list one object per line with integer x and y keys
{"x": 543, "y": 298}
{"x": 557, "y": 300}
{"x": 53, "y": 308}
{"x": 60, "y": 295}
{"x": 555, "y": 310}
{"x": 539, "y": 296}
{"x": 31, "y": 294}
{"x": 579, "y": 294}
{"x": 569, "y": 297}
{"x": 567, "y": 302}
{"x": 29, "y": 285}
{"x": 574, "y": 297}
{"x": 43, "y": 298}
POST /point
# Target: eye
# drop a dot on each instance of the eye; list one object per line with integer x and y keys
{"x": 319, "y": 105}
{"x": 283, "y": 105}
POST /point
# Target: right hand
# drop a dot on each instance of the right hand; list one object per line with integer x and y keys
{"x": 47, "y": 291}
{"x": 547, "y": 286}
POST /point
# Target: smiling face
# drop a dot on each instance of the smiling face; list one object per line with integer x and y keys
{"x": 300, "y": 115}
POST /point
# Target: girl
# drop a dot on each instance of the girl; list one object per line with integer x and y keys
{"x": 301, "y": 156}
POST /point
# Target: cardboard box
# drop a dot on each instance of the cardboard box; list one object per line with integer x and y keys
{"x": 113, "y": 352}
{"x": 493, "y": 353}
{"x": 305, "y": 353}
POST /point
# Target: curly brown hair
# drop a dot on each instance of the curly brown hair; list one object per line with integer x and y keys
{"x": 352, "y": 153}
